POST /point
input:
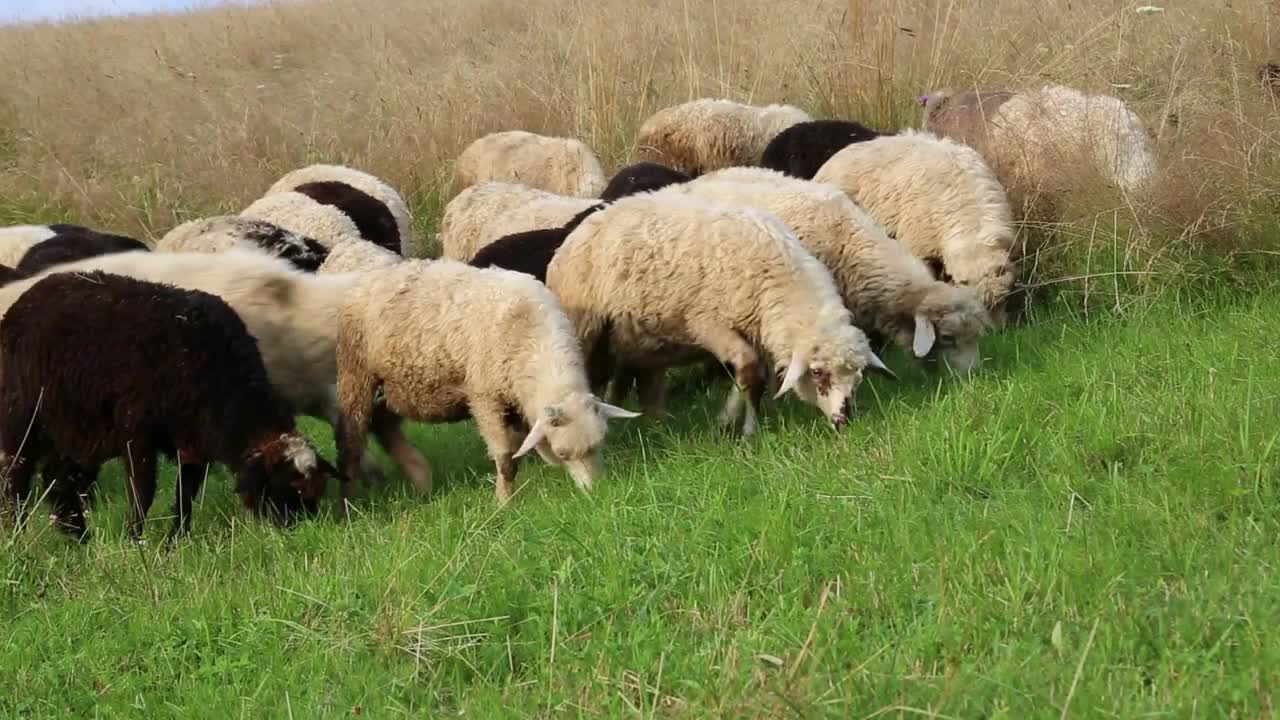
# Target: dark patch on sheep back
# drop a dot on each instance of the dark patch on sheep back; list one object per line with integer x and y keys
{"x": 304, "y": 253}
{"x": 372, "y": 218}
{"x": 641, "y": 177}
{"x": 530, "y": 252}
{"x": 71, "y": 244}
{"x": 100, "y": 366}
{"x": 8, "y": 275}
{"x": 802, "y": 149}
{"x": 1269, "y": 76}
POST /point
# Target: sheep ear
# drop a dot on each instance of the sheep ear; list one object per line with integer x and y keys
{"x": 875, "y": 364}
{"x": 536, "y": 435}
{"x": 794, "y": 371}
{"x": 612, "y": 412}
{"x": 925, "y": 336}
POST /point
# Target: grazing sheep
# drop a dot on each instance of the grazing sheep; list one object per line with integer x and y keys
{"x": 309, "y": 180}
{"x": 293, "y": 315}
{"x": 445, "y": 341}
{"x": 1030, "y": 136}
{"x": 559, "y": 165}
{"x": 938, "y": 198}
{"x": 356, "y": 255}
{"x": 529, "y": 252}
{"x": 641, "y": 177}
{"x": 804, "y": 147}
{"x": 707, "y": 134}
{"x": 226, "y": 232}
{"x": 71, "y": 243}
{"x": 483, "y": 213}
{"x": 654, "y": 279}
{"x": 891, "y": 293}
{"x": 96, "y": 366}
{"x": 303, "y": 215}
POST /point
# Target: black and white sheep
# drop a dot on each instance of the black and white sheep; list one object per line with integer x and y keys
{"x": 803, "y": 148}
{"x": 321, "y": 181}
{"x": 529, "y": 252}
{"x": 227, "y": 232}
{"x": 63, "y": 243}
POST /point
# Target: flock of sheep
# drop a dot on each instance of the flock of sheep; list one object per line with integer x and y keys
{"x": 786, "y": 250}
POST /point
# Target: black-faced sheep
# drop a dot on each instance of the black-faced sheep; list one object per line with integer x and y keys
{"x": 227, "y": 232}
{"x": 529, "y": 252}
{"x": 708, "y": 134}
{"x": 445, "y": 341}
{"x": 803, "y": 148}
{"x": 97, "y": 366}
{"x": 641, "y": 177}
{"x": 563, "y": 166}
{"x": 365, "y": 183}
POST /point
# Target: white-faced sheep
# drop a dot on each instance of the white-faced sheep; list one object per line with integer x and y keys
{"x": 803, "y": 148}
{"x": 707, "y": 134}
{"x": 483, "y": 213}
{"x": 81, "y": 384}
{"x": 938, "y": 198}
{"x": 655, "y": 280}
{"x": 641, "y": 177}
{"x": 228, "y": 232}
{"x": 311, "y": 180}
{"x": 445, "y": 341}
{"x": 564, "y": 166}
{"x": 891, "y": 293}
{"x": 293, "y": 315}
{"x": 1031, "y": 136}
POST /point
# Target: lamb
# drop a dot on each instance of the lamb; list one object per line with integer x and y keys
{"x": 330, "y": 212}
{"x": 445, "y": 341}
{"x": 559, "y": 165}
{"x": 641, "y": 177}
{"x": 529, "y": 252}
{"x": 292, "y": 315}
{"x": 356, "y": 255}
{"x": 707, "y": 134}
{"x": 1030, "y": 136}
{"x": 312, "y": 179}
{"x": 653, "y": 279}
{"x": 483, "y": 213}
{"x": 223, "y": 233}
{"x": 891, "y": 293}
{"x": 803, "y": 148}
{"x": 940, "y": 200}
{"x": 71, "y": 243}
{"x": 80, "y": 384}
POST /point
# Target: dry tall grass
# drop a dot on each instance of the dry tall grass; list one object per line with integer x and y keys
{"x": 137, "y": 124}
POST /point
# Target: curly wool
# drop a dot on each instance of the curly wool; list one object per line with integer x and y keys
{"x": 483, "y": 213}
{"x": 369, "y": 184}
{"x": 358, "y": 256}
{"x": 708, "y": 134}
{"x": 230, "y": 232}
{"x": 564, "y": 166}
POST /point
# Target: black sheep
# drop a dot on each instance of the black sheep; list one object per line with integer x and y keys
{"x": 529, "y": 252}
{"x": 802, "y": 149}
{"x": 95, "y": 366}
{"x": 371, "y": 217}
{"x": 641, "y": 177}
{"x": 71, "y": 243}
{"x": 8, "y": 275}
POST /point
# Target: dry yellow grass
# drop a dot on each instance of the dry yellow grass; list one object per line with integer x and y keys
{"x": 137, "y": 124}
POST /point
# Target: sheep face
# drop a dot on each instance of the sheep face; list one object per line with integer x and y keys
{"x": 571, "y": 433}
{"x": 283, "y": 479}
{"x": 826, "y": 373}
{"x": 947, "y": 326}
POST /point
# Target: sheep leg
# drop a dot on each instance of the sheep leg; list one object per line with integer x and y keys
{"x": 387, "y": 428}
{"x": 651, "y": 385}
{"x": 190, "y": 478}
{"x": 140, "y": 487}
{"x": 69, "y": 487}
{"x": 491, "y": 423}
{"x": 624, "y": 378}
{"x": 18, "y": 469}
{"x": 355, "y": 402}
{"x": 731, "y": 349}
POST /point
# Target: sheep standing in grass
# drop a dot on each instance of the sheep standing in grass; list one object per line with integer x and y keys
{"x": 654, "y": 280}
{"x": 97, "y": 366}
{"x": 641, "y": 177}
{"x": 559, "y": 165}
{"x": 803, "y": 148}
{"x": 227, "y": 232}
{"x": 312, "y": 179}
{"x": 938, "y": 198}
{"x": 483, "y": 213}
{"x": 293, "y": 315}
{"x": 445, "y": 341}
{"x": 1032, "y": 138}
{"x": 891, "y": 293}
{"x": 330, "y": 212}
{"x": 704, "y": 135}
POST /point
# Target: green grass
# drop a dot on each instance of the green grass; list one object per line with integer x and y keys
{"x": 1087, "y": 528}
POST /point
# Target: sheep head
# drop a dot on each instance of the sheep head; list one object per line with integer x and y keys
{"x": 283, "y": 478}
{"x": 947, "y": 325}
{"x": 826, "y": 372}
{"x": 571, "y": 432}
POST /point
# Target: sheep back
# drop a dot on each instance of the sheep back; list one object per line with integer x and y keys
{"x": 366, "y": 183}
{"x": 641, "y": 177}
{"x": 228, "y": 232}
{"x": 564, "y": 166}
{"x": 801, "y": 149}
{"x": 708, "y": 134}
{"x": 483, "y": 213}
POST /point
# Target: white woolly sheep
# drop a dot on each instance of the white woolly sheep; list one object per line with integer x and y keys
{"x": 356, "y": 255}
{"x": 653, "y": 279}
{"x": 564, "y": 166}
{"x": 366, "y": 183}
{"x": 483, "y": 213}
{"x": 293, "y": 316}
{"x": 938, "y": 198}
{"x": 227, "y": 232}
{"x": 704, "y": 135}
{"x": 1029, "y": 136}
{"x": 891, "y": 293}
{"x": 445, "y": 341}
